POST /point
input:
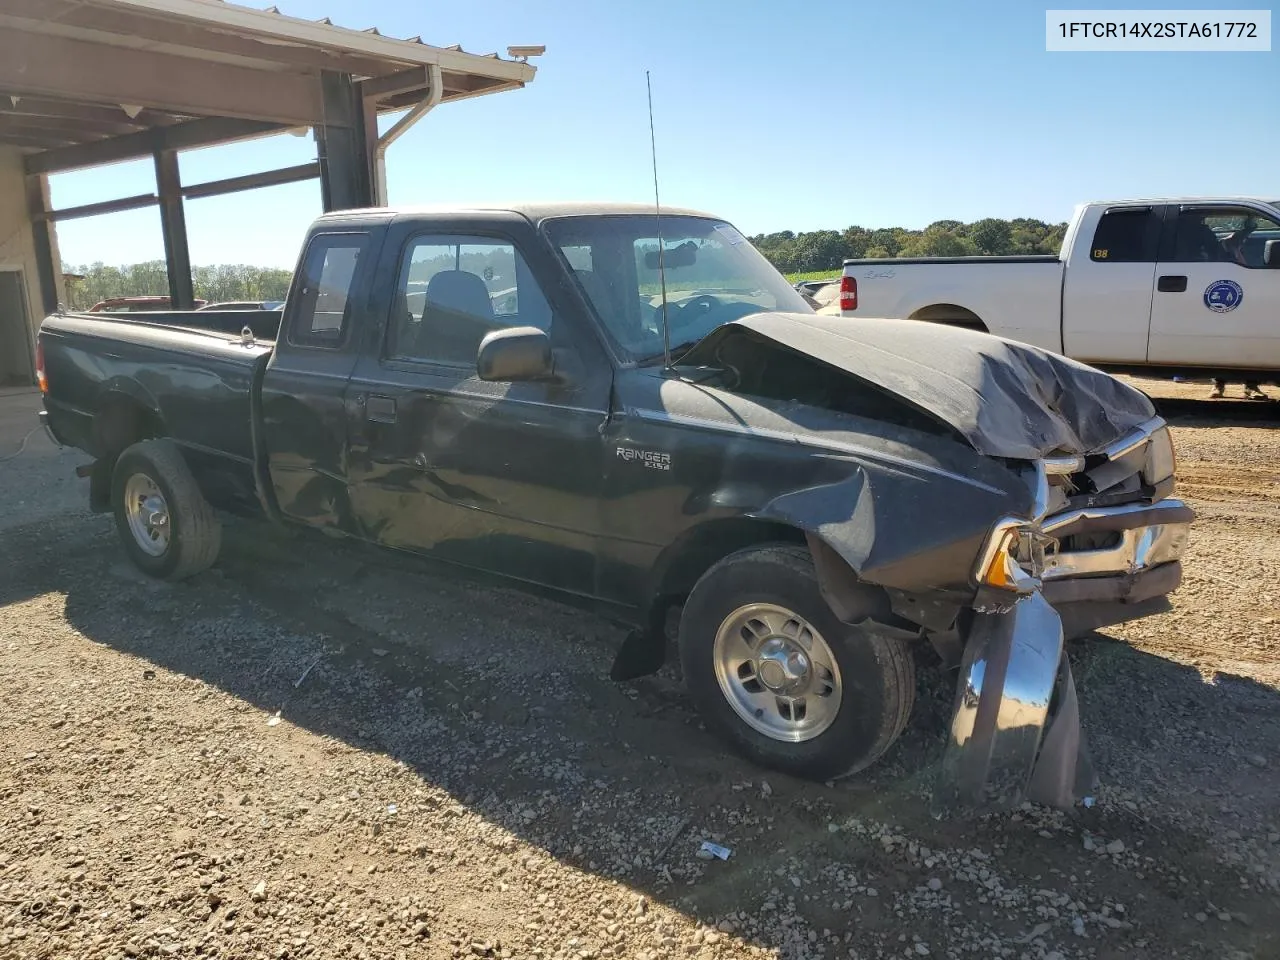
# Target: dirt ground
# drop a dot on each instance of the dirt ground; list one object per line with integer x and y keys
{"x": 311, "y": 752}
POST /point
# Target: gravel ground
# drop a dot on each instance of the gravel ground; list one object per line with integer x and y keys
{"x": 311, "y": 752}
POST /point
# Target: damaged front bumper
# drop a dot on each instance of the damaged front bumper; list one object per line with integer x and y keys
{"x": 1016, "y": 731}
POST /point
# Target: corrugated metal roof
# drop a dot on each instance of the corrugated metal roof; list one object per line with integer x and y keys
{"x": 324, "y": 33}
{"x": 70, "y": 65}
{"x": 372, "y": 31}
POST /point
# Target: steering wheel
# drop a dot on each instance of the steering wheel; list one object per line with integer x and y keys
{"x": 696, "y": 307}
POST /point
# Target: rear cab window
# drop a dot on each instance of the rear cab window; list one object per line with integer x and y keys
{"x": 1126, "y": 235}
{"x": 322, "y": 310}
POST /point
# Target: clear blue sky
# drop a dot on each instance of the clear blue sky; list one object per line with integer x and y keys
{"x": 774, "y": 115}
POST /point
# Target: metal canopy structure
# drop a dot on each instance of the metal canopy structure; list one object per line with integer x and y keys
{"x": 89, "y": 82}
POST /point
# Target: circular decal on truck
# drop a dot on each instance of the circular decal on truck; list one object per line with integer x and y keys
{"x": 1223, "y": 296}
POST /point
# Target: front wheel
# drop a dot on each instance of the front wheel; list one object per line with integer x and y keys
{"x": 168, "y": 528}
{"x": 781, "y": 678}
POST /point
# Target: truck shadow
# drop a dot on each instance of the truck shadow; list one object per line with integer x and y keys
{"x": 1184, "y": 412}
{"x": 502, "y": 702}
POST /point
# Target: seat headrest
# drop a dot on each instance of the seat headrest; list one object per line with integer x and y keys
{"x": 460, "y": 291}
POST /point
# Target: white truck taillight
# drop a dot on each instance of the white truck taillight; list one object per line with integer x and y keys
{"x": 848, "y": 293}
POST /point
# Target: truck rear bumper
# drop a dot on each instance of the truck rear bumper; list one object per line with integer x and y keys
{"x": 43, "y": 417}
{"x": 68, "y": 426}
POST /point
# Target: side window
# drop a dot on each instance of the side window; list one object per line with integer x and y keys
{"x": 1223, "y": 235}
{"x": 328, "y": 272}
{"x": 579, "y": 256}
{"x": 1126, "y": 236}
{"x": 453, "y": 290}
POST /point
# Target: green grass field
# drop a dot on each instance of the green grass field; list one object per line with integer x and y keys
{"x": 813, "y": 275}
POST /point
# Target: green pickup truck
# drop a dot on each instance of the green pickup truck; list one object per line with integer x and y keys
{"x": 639, "y": 415}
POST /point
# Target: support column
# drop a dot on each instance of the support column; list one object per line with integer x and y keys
{"x": 343, "y": 145}
{"x": 173, "y": 224}
{"x": 47, "y": 270}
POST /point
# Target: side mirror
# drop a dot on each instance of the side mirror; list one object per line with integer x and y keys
{"x": 515, "y": 354}
{"x": 1271, "y": 254}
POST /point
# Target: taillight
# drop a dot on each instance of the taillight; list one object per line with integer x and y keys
{"x": 848, "y": 293}
{"x": 41, "y": 380}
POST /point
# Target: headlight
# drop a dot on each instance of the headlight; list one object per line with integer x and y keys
{"x": 1161, "y": 460}
{"x": 1014, "y": 557}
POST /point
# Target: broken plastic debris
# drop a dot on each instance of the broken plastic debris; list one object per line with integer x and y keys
{"x": 392, "y": 808}
{"x": 715, "y": 850}
{"x": 273, "y": 719}
{"x": 1088, "y": 801}
{"x": 1039, "y": 930}
{"x": 297, "y": 683}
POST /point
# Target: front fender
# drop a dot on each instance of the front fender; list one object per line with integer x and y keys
{"x": 914, "y": 531}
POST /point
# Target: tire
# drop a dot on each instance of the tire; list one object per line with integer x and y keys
{"x": 187, "y": 540}
{"x": 874, "y": 674}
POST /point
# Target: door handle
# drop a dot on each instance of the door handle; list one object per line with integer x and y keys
{"x": 1171, "y": 284}
{"x": 380, "y": 409}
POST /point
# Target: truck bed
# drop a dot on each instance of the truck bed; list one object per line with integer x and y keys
{"x": 265, "y": 324}
{"x": 1015, "y": 297}
{"x": 183, "y": 369}
{"x": 1027, "y": 258}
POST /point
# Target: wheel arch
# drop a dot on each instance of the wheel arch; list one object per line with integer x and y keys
{"x": 951, "y": 314}
{"x": 704, "y": 545}
{"x": 701, "y": 547}
{"x": 124, "y": 414}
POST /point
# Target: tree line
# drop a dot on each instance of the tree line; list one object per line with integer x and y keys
{"x": 827, "y": 249}
{"x": 790, "y": 252}
{"x": 86, "y": 285}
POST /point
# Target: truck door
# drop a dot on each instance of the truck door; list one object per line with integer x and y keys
{"x": 1216, "y": 301}
{"x": 502, "y": 477}
{"x": 302, "y": 415}
{"x": 1106, "y": 295}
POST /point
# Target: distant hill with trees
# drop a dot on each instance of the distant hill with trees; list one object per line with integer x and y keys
{"x": 213, "y": 283}
{"x": 820, "y": 250}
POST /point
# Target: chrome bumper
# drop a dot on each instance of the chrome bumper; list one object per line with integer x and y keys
{"x": 1006, "y": 744}
{"x": 1015, "y": 732}
{"x": 1149, "y": 535}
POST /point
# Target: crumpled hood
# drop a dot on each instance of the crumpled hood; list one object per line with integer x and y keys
{"x": 1006, "y": 399}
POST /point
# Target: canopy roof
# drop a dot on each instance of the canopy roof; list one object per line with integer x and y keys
{"x": 78, "y": 77}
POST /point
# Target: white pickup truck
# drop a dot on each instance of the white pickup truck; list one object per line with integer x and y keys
{"x": 1187, "y": 287}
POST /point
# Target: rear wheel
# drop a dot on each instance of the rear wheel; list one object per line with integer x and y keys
{"x": 779, "y": 677}
{"x": 167, "y": 527}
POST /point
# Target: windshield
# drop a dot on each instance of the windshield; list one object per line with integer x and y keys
{"x": 713, "y": 276}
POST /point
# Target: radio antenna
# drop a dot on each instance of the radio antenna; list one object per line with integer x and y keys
{"x": 657, "y": 214}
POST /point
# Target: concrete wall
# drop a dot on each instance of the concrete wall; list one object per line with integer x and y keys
{"x": 16, "y": 246}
